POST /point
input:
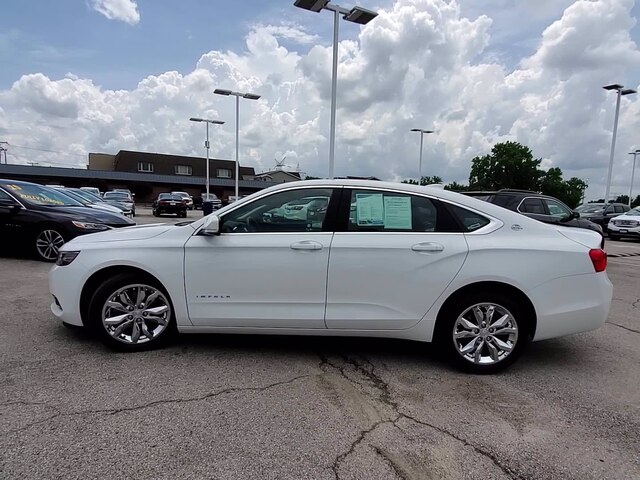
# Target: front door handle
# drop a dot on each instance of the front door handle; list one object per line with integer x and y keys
{"x": 427, "y": 247}
{"x": 306, "y": 245}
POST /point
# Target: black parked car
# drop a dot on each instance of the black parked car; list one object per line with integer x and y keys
{"x": 600, "y": 213}
{"x": 169, "y": 203}
{"x": 43, "y": 219}
{"x": 541, "y": 207}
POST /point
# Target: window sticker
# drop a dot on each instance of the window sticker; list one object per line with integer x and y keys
{"x": 397, "y": 213}
{"x": 369, "y": 209}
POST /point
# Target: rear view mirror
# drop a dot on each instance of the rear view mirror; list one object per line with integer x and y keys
{"x": 211, "y": 225}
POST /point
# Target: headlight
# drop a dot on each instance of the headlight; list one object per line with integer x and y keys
{"x": 90, "y": 226}
{"x": 65, "y": 258}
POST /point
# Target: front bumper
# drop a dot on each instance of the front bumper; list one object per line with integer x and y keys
{"x": 573, "y": 304}
{"x": 65, "y": 285}
{"x": 624, "y": 231}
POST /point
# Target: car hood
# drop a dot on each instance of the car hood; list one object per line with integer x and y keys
{"x": 141, "y": 232}
{"x": 627, "y": 217}
{"x": 101, "y": 216}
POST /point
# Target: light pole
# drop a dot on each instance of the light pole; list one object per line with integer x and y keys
{"x": 248, "y": 96}
{"x": 356, "y": 15}
{"x": 206, "y": 142}
{"x": 620, "y": 92}
{"x": 635, "y": 153}
{"x": 422, "y": 132}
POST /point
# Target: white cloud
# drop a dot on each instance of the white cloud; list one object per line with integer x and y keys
{"x": 123, "y": 10}
{"x": 419, "y": 64}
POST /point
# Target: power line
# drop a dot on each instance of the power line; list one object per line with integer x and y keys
{"x": 49, "y": 151}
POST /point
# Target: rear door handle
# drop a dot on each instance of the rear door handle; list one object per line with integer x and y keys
{"x": 306, "y": 245}
{"x": 427, "y": 247}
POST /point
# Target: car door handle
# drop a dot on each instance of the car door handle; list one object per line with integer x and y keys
{"x": 306, "y": 245}
{"x": 427, "y": 247}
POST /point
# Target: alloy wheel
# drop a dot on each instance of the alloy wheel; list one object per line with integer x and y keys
{"x": 48, "y": 244}
{"x": 136, "y": 314}
{"x": 485, "y": 334}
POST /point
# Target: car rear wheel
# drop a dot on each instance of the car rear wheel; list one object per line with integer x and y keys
{"x": 484, "y": 332}
{"x": 131, "y": 313}
{"x": 48, "y": 243}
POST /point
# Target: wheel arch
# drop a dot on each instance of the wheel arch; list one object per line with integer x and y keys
{"x": 101, "y": 275}
{"x": 491, "y": 286}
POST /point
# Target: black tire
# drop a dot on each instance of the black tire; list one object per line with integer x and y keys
{"x": 160, "y": 334}
{"x": 446, "y": 327}
{"x": 47, "y": 242}
{"x": 155, "y": 213}
{"x": 615, "y": 238}
{"x": 184, "y": 214}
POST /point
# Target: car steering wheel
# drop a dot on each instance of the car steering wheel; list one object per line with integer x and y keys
{"x": 252, "y": 225}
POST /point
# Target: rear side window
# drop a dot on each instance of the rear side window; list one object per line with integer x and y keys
{"x": 501, "y": 200}
{"x": 532, "y": 205}
{"x": 469, "y": 220}
{"x": 619, "y": 209}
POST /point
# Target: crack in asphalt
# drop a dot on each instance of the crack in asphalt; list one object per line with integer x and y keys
{"x": 386, "y": 398}
{"x": 115, "y": 411}
{"x": 396, "y": 469}
{"x": 636, "y": 304}
{"x": 622, "y": 326}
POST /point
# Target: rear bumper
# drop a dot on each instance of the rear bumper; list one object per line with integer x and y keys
{"x": 574, "y": 304}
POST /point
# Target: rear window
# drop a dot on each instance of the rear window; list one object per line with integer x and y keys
{"x": 469, "y": 220}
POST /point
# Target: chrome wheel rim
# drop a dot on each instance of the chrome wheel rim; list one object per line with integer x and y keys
{"x": 48, "y": 244}
{"x": 485, "y": 334}
{"x": 136, "y": 314}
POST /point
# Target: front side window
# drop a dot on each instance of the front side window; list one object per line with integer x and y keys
{"x": 302, "y": 210}
{"x": 145, "y": 167}
{"x": 183, "y": 170}
{"x": 532, "y": 205}
{"x": 377, "y": 211}
{"x": 619, "y": 209}
{"x": 224, "y": 173}
{"x": 557, "y": 209}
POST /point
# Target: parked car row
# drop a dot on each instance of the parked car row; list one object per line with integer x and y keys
{"x": 42, "y": 218}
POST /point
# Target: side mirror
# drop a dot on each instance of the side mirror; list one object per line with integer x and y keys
{"x": 9, "y": 206}
{"x": 211, "y": 226}
{"x": 575, "y": 214}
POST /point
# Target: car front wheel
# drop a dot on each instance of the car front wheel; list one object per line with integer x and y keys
{"x": 131, "y": 313}
{"x": 484, "y": 333}
{"x": 48, "y": 243}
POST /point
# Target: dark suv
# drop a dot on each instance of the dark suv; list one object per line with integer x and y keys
{"x": 535, "y": 205}
{"x": 597, "y": 213}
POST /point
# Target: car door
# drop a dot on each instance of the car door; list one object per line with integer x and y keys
{"x": 395, "y": 257}
{"x": 264, "y": 269}
{"x": 14, "y": 224}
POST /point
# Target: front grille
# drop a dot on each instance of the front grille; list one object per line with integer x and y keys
{"x": 625, "y": 223}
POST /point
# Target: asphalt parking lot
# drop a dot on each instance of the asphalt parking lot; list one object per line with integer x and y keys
{"x": 223, "y": 407}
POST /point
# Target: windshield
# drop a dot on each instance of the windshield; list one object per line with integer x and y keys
{"x": 117, "y": 196}
{"x": 169, "y": 196}
{"x": 39, "y": 195}
{"x": 589, "y": 208}
{"x": 87, "y": 195}
{"x": 634, "y": 212}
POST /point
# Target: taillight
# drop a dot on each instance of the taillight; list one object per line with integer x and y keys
{"x": 599, "y": 259}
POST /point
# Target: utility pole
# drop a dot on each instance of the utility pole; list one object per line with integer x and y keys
{"x": 3, "y": 148}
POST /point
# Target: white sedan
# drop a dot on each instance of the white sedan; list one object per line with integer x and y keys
{"x": 625, "y": 225}
{"x": 387, "y": 260}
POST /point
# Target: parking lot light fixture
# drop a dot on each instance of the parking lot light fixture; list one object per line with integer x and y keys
{"x": 422, "y": 132}
{"x": 620, "y": 91}
{"x": 248, "y": 96}
{"x": 206, "y": 142}
{"x": 635, "y": 153}
{"x": 358, "y": 15}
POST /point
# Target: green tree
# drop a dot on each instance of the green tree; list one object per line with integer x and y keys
{"x": 456, "y": 187}
{"x": 636, "y": 202}
{"x": 425, "y": 180}
{"x": 568, "y": 191}
{"x": 510, "y": 165}
{"x": 622, "y": 199}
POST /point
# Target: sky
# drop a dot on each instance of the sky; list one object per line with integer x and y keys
{"x": 79, "y": 76}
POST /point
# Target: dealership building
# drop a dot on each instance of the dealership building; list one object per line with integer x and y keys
{"x": 148, "y": 174}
